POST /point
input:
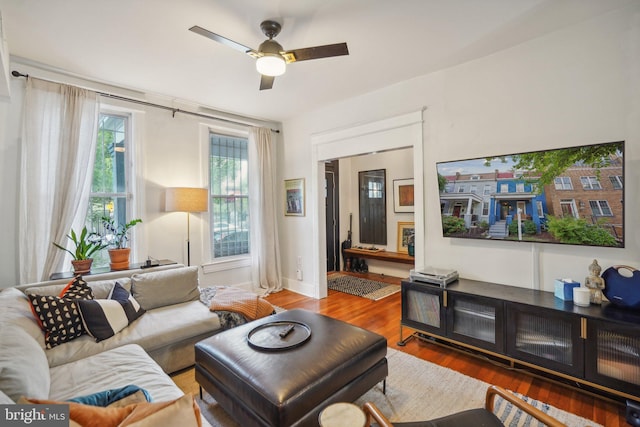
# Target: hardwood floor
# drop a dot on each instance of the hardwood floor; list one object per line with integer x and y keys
{"x": 383, "y": 317}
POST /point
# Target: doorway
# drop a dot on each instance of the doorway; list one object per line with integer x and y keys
{"x": 332, "y": 205}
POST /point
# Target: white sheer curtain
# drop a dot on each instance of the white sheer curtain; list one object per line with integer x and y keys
{"x": 265, "y": 252}
{"x": 58, "y": 151}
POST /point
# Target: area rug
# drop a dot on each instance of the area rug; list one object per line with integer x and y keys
{"x": 419, "y": 390}
{"x": 365, "y": 288}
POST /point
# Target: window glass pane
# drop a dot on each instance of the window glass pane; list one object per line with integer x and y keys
{"x": 109, "y": 188}
{"x": 229, "y": 171}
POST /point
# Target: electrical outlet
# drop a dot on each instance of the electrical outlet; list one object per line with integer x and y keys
{"x": 299, "y": 274}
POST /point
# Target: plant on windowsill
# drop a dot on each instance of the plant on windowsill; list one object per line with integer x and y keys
{"x": 117, "y": 237}
{"x": 86, "y": 244}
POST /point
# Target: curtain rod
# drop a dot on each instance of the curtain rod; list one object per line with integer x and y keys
{"x": 151, "y": 104}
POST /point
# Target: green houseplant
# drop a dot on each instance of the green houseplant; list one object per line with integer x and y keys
{"x": 117, "y": 237}
{"x": 86, "y": 244}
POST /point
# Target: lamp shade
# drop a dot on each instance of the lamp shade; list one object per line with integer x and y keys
{"x": 186, "y": 199}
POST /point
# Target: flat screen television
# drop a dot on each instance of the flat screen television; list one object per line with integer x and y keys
{"x": 572, "y": 195}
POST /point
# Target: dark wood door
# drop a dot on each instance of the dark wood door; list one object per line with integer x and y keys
{"x": 332, "y": 205}
{"x": 373, "y": 207}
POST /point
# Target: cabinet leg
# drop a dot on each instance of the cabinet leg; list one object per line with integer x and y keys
{"x": 403, "y": 341}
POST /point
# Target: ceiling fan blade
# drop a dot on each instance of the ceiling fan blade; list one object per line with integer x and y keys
{"x": 316, "y": 52}
{"x": 266, "y": 82}
{"x": 225, "y": 41}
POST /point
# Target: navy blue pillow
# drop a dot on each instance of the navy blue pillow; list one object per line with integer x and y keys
{"x": 103, "y": 318}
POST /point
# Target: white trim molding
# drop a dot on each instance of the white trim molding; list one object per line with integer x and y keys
{"x": 392, "y": 133}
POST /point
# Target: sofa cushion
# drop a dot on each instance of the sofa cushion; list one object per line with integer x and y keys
{"x": 24, "y": 370}
{"x": 114, "y": 368}
{"x": 59, "y": 316}
{"x": 103, "y": 318}
{"x": 157, "y": 329}
{"x": 15, "y": 309}
{"x": 162, "y": 288}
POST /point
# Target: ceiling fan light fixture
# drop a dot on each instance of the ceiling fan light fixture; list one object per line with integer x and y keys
{"x": 271, "y": 65}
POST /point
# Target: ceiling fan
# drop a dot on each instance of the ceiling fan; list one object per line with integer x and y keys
{"x": 271, "y": 58}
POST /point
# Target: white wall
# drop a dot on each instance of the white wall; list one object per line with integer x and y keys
{"x": 170, "y": 152}
{"x": 575, "y": 86}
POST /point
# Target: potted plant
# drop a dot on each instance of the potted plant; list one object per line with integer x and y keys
{"x": 86, "y": 244}
{"x": 117, "y": 238}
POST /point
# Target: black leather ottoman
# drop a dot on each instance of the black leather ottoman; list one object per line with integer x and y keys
{"x": 338, "y": 363}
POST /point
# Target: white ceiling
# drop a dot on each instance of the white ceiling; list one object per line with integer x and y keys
{"x": 145, "y": 44}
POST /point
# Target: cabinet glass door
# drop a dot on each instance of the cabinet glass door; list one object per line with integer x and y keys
{"x": 476, "y": 321}
{"x": 613, "y": 356}
{"x": 422, "y": 307}
{"x": 547, "y": 338}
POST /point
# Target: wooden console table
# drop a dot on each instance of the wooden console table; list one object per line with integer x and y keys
{"x": 380, "y": 255}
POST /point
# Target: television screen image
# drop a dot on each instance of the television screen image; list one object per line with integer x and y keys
{"x": 572, "y": 195}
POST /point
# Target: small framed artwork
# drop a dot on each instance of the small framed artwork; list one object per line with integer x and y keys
{"x": 406, "y": 234}
{"x": 403, "y": 195}
{"x": 294, "y": 197}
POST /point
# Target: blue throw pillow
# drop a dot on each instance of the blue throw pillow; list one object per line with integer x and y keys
{"x": 107, "y": 397}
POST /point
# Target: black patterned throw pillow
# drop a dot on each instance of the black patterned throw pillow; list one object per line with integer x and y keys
{"x": 59, "y": 316}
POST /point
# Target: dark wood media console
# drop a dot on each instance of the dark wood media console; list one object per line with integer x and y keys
{"x": 598, "y": 346}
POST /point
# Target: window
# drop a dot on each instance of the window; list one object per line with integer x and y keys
{"x": 539, "y": 208}
{"x": 600, "y": 208}
{"x": 474, "y": 188}
{"x": 448, "y": 188}
{"x": 563, "y": 183}
{"x": 229, "y": 186}
{"x": 375, "y": 189}
{"x": 485, "y": 208}
{"x": 474, "y": 177}
{"x": 462, "y": 189}
{"x": 520, "y": 187}
{"x": 110, "y": 189}
{"x": 504, "y": 188}
{"x": 487, "y": 189}
{"x": 569, "y": 208}
{"x": 590, "y": 183}
{"x": 616, "y": 181}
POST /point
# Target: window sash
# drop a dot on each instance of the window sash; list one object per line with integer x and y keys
{"x": 229, "y": 184}
{"x": 590, "y": 183}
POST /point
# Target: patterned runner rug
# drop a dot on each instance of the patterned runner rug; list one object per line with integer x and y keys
{"x": 366, "y": 288}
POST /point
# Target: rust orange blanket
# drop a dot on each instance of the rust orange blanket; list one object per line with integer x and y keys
{"x": 240, "y": 301}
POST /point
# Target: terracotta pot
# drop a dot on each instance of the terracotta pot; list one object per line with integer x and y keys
{"x": 81, "y": 266}
{"x": 119, "y": 258}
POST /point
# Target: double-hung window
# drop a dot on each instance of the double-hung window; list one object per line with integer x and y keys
{"x": 111, "y": 194}
{"x": 229, "y": 184}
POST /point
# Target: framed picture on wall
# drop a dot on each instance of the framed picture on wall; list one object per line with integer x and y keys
{"x": 294, "y": 197}
{"x": 406, "y": 234}
{"x": 403, "y": 195}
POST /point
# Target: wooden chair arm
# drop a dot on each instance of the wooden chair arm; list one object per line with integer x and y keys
{"x": 493, "y": 390}
{"x": 372, "y": 411}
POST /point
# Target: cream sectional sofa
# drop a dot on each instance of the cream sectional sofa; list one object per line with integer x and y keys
{"x": 161, "y": 341}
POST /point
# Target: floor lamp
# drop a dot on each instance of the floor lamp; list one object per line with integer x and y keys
{"x": 185, "y": 199}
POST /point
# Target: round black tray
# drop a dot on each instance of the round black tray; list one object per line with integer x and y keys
{"x": 267, "y": 337}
